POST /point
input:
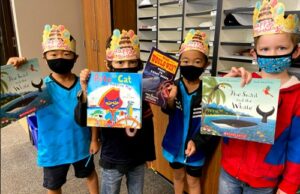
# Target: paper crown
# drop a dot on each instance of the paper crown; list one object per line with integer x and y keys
{"x": 123, "y": 46}
{"x": 195, "y": 40}
{"x": 57, "y": 38}
{"x": 268, "y": 18}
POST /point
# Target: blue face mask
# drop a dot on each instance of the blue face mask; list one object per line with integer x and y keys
{"x": 274, "y": 64}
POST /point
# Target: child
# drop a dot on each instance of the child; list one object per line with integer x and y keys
{"x": 183, "y": 146}
{"x": 250, "y": 167}
{"x": 61, "y": 141}
{"x": 123, "y": 152}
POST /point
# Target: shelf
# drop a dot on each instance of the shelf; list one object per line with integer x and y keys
{"x": 169, "y": 3}
{"x": 145, "y": 51}
{"x": 148, "y": 18}
{"x": 147, "y": 29}
{"x": 209, "y": 13}
{"x": 237, "y": 59}
{"x": 148, "y": 6}
{"x": 197, "y": 28}
{"x": 170, "y": 29}
{"x": 171, "y": 16}
{"x": 147, "y": 40}
{"x": 170, "y": 41}
{"x": 249, "y": 10}
{"x": 203, "y": 2}
{"x": 236, "y": 27}
{"x": 237, "y": 44}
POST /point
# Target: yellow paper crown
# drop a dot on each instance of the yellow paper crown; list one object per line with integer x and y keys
{"x": 268, "y": 18}
{"x": 195, "y": 40}
{"x": 123, "y": 46}
{"x": 57, "y": 38}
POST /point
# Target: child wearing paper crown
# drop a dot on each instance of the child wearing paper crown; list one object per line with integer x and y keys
{"x": 62, "y": 142}
{"x": 250, "y": 167}
{"x": 123, "y": 151}
{"x": 183, "y": 146}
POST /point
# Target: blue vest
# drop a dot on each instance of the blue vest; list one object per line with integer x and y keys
{"x": 60, "y": 139}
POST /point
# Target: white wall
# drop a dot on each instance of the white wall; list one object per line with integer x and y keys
{"x": 30, "y": 16}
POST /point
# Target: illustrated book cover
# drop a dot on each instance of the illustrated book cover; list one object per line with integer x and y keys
{"x": 114, "y": 100}
{"x": 22, "y": 91}
{"x": 159, "y": 73}
{"x": 247, "y": 113}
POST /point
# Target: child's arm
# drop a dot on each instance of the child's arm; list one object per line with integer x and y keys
{"x": 240, "y": 72}
{"x": 95, "y": 144}
{"x": 291, "y": 175}
{"x": 81, "y": 107}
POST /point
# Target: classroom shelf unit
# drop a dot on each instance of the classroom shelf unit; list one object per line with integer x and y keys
{"x": 164, "y": 23}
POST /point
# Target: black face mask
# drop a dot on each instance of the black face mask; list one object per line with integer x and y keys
{"x": 61, "y": 66}
{"x": 125, "y": 70}
{"x": 190, "y": 72}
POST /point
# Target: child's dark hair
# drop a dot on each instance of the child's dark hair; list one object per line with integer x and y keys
{"x": 109, "y": 63}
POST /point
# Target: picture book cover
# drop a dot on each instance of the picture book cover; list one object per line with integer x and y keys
{"x": 159, "y": 73}
{"x": 114, "y": 100}
{"x": 247, "y": 113}
{"x": 22, "y": 91}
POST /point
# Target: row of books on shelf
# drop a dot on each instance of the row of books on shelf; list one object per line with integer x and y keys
{"x": 115, "y": 99}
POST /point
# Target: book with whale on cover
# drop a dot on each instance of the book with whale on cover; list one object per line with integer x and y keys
{"x": 114, "y": 100}
{"x": 22, "y": 91}
{"x": 247, "y": 113}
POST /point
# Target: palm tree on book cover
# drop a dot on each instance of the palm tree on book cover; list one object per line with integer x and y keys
{"x": 212, "y": 91}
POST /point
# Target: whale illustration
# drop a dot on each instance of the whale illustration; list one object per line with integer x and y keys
{"x": 264, "y": 115}
{"x": 232, "y": 123}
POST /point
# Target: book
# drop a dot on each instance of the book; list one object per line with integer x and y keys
{"x": 114, "y": 100}
{"x": 247, "y": 113}
{"x": 159, "y": 73}
{"x": 22, "y": 91}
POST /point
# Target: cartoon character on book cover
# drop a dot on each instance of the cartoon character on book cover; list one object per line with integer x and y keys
{"x": 114, "y": 100}
{"x": 159, "y": 73}
{"x": 247, "y": 112}
{"x": 22, "y": 91}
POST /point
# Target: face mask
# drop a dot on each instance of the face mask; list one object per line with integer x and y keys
{"x": 61, "y": 66}
{"x": 191, "y": 72}
{"x": 274, "y": 64}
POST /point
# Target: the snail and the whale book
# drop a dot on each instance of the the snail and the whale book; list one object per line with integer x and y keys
{"x": 114, "y": 100}
{"x": 22, "y": 91}
{"x": 247, "y": 113}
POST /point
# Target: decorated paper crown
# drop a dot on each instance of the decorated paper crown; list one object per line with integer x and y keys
{"x": 268, "y": 18}
{"x": 123, "y": 46}
{"x": 195, "y": 40}
{"x": 57, "y": 38}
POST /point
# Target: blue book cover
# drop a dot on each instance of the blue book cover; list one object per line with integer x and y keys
{"x": 114, "y": 100}
{"x": 247, "y": 113}
{"x": 22, "y": 91}
{"x": 159, "y": 73}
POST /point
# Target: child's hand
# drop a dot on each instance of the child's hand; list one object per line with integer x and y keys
{"x": 191, "y": 148}
{"x": 279, "y": 191}
{"x": 84, "y": 76}
{"x": 16, "y": 61}
{"x": 240, "y": 72}
{"x": 172, "y": 92}
{"x": 94, "y": 147}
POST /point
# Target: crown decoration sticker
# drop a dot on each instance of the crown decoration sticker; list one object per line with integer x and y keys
{"x": 195, "y": 40}
{"x": 57, "y": 38}
{"x": 268, "y": 18}
{"x": 123, "y": 46}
